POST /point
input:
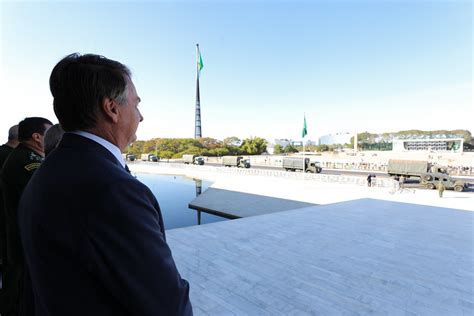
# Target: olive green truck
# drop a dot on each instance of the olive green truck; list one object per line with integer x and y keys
{"x": 235, "y": 161}
{"x": 301, "y": 164}
{"x": 430, "y": 175}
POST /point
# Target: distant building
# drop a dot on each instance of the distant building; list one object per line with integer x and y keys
{"x": 333, "y": 139}
{"x": 429, "y": 144}
{"x": 283, "y": 142}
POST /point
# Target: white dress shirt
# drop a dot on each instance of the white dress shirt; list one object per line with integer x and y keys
{"x": 108, "y": 145}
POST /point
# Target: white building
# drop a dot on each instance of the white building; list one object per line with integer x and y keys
{"x": 333, "y": 139}
{"x": 437, "y": 145}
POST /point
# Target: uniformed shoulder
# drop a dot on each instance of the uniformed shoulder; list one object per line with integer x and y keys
{"x": 33, "y": 161}
{"x": 24, "y": 158}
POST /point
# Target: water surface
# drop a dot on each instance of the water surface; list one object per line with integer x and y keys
{"x": 174, "y": 193}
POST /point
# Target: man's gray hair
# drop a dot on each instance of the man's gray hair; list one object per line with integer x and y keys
{"x": 13, "y": 133}
{"x": 122, "y": 97}
{"x": 52, "y": 137}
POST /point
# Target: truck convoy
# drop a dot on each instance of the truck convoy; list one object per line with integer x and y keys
{"x": 430, "y": 174}
{"x": 235, "y": 161}
{"x": 300, "y": 163}
{"x": 193, "y": 159}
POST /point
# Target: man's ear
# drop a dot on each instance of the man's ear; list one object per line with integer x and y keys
{"x": 36, "y": 137}
{"x": 111, "y": 109}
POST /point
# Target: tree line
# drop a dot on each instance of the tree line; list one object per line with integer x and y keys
{"x": 206, "y": 146}
{"x": 371, "y": 138}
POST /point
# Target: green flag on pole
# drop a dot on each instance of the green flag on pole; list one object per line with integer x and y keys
{"x": 200, "y": 65}
{"x": 305, "y": 131}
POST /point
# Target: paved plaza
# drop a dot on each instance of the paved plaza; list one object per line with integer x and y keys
{"x": 350, "y": 258}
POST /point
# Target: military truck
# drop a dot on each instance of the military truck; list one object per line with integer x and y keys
{"x": 149, "y": 157}
{"x": 448, "y": 182}
{"x": 193, "y": 159}
{"x": 413, "y": 168}
{"x": 235, "y": 161}
{"x": 130, "y": 157}
{"x": 300, "y": 163}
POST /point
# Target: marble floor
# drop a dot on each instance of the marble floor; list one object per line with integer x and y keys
{"x": 358, "y": 257}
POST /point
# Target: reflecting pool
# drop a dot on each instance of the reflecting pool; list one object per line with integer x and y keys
{"x": 174, "y": 194}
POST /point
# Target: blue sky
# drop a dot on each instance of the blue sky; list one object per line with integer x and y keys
{"x": 376, "y": 66}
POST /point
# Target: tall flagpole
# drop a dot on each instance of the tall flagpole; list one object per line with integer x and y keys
{"x": 304, "y": 136}
{"x": 197, "y": 121}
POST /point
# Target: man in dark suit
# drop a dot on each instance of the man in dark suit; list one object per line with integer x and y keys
{"x": 93, "y": 235}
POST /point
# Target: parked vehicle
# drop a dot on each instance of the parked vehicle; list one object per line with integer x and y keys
{"x": 193, "y": 159}
{"x": 149, "y": 157}
{"x": 130, "y": 157}
{"x": 448, "y": 182}
{"x": 413, "y": 168}
{"x": 235, "y": 161}
{"x": 300, "y": 163}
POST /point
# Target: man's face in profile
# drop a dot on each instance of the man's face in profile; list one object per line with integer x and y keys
{"x": 130, "y": 116}
{"x": 40, "y": 138}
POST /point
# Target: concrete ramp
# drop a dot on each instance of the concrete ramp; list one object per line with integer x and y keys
{"x": 232, "y": 204}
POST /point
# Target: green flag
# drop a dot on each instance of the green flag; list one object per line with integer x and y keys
{"x": 200, "y": 65}
{"x": 305, "y": 131}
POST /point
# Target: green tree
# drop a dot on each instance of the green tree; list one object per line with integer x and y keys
{"x": 219, "y": 152}
{"x": 210, "y": 143}
{"x": 166, "y": 154}
{"x": 135, "y": 148}
{"x": 277, "y": 149}
{"x": 291, "y": 149}
{"x": 254, "y": 146}
{"x": 232, "y": 144}
{"x": 232, "y": 141}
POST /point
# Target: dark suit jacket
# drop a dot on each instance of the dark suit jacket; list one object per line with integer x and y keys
{"x": 94, "y": 238}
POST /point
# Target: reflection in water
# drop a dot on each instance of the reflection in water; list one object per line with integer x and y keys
{"x": 198, "y": 186}
{"x": 174, "y": 193}
{"x": 198, "y": 192}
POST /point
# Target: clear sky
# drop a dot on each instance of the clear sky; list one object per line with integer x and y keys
{"x": 377, "y": 66}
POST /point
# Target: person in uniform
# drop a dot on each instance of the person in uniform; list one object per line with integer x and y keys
{"x": 402, "y": 182}
{"x": 16, "y": 172}
{"x": 440, "y": 188}
{"x": 5, "y": 151}
{"x": 8, "y": 147}
{"x": 93, "y": 235}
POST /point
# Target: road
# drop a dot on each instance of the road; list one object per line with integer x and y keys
{"x": 410, "y": 183}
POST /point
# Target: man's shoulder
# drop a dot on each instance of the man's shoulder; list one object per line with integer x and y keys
{"x": 5, "y": 148}
{"x": 4, "y": 152}
{"x": 23, "y": 158}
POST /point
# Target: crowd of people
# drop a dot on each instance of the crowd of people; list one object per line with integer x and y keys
{"x": 79, "y": 235}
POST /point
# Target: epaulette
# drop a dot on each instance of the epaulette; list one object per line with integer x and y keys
{"x": 34, "y": 157}
{"x": 32, "y": 166}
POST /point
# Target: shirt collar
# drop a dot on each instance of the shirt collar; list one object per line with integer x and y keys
{"x": 108, "y": 145}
